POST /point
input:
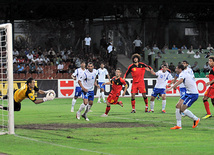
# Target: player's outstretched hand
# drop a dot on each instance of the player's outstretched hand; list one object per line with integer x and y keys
{"x": 168, "y": 89}
{"x": 148, "y": 69}
{"x": 207, "y": 84}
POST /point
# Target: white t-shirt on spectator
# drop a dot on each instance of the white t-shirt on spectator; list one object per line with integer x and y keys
{"x": 30, "y": 56}
{"x": 39, "y": 60}
{"x": 87, "y": 41}
{"x": 197, "y": 56}
{"x": 137, "y": 43}
{"x": 60, "y": 67}
{"x": 110, "y": 48}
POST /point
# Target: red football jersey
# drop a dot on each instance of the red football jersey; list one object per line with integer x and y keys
{"x": 137, "y": 71}
{"x": 211, "y": 75}
{"x": 117, "y": 84}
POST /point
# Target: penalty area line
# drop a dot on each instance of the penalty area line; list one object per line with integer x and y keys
{"x": 69, "y": 147}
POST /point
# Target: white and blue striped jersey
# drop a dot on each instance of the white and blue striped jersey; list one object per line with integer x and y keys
{"x": 78, "y": 73}
{"x": 188, "y": 70}
{"x": 189, "y": 82}
{"x": 162, "y": 79}
{"x": 102, "y": 74}
{"x": 88, "y": 79}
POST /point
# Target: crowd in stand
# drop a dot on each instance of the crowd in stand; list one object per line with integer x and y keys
{"x": 65, "y": 61}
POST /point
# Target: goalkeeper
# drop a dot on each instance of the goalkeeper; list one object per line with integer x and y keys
{"x": 26, "y": 91}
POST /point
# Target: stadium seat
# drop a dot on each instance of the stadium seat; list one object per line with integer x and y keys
{"x": 196, "y": 75}
{"x": 202, "y": 75}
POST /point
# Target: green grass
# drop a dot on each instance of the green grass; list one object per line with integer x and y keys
{"x": 155, "y": 138}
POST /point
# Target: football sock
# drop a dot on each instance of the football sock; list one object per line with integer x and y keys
{"x": 152, "y": 104}
{"x": 88, "y": 107}
{"x": 107, "y": 110}
{"x": 103, "y": 96}
{"x": 133, "y": 104}
{"x": 73, "y": 102}
{"x": 178, "y": 117}
{"x": 146, "y": 101}
{"x": 207, "y": 107}
{"x": 82, "y": 106}
{"x": 190, "y": 114}
{"x": 163, "y": 104}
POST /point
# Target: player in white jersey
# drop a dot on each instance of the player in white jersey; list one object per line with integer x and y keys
{"x": 76, "y": 75}
{"x": 87, "y": 82}
{"x": 186, "y": 100}
{"x": 160, "y": 87}
{"x": 101, "y": 73}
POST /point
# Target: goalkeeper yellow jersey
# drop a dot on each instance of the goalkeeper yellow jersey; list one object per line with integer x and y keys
{"x": 25, "y": 92}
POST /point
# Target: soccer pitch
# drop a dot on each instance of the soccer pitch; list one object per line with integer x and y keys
{"x": 50, "y": 128}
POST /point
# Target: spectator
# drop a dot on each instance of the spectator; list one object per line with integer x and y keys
{"x": 32, "y": 68}
{"x": 174, "y": 47}
{"x": 211, "y": 51}
{"x": 30, "y": 56}
{"x": 172, "y": 67}
{"x": 60, "y": 68}
{"x": 46, "y": 60}
{"x": 15, "y": 53}
{"x": 21, "y": 60}
{"x": 15, "y": 60}
{"x": 65, "y": 58}
{"x": 180, "y": 51}
{"x": 207, "y": 55}
{"x": 137, "y": 45}
{"x": 207, "y": 68}
{"x": 34, "y": 59}
{"x": 39, "y": 69}
{"x": 152, "y": 52}
{"x": 87, "y": 43}
{"x": 190, "y": 51}
{"x": 103, "y": 43}
{"x": 183, "y": 47}
{"x": 195, "y": 67}
{"x": 22, "y": 53}
{"x": 146, "y": 48}
{"x": 155, "y": 47}
{"x": 77, "y": 62}
{"x": 39, "y": 60}
{"x": 200, "y": 50}
{"x": 70, "y": 51}
{"x": 197, "y": 55}
{"x": 51, "y": 54}
{"x": 110, "y": 50}
{"x": 27, "y": 51}
{"x": 15, "y": 67}
{"x": 210, "y": 47}
{"x": 63, "y": 52}
{"x": 158, "y": 56}
{"x": 21, "y": 69}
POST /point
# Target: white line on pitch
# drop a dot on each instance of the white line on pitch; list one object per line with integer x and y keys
{"x": 39, "y": 141}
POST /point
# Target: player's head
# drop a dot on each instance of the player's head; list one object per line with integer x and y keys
{"x": 31, "y": 82}
{"x": 211, "y": 61}
{"x": 136, "y": 58}
{"x": 164, "y": 67}
{"x": 102, "y": 65}
{"x": 90, "y": 66}
{"x": 82, "y": 65}
{"x": 185, "y": 63}
{"x": 118, "y": 72}
{"x": 179, "y": 68}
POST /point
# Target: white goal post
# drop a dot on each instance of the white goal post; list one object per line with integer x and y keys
{"x": 6, "y": 79}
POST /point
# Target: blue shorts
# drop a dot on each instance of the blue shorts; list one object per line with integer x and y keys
{"x": 157, "y": 91}
{"x": 89, "y": 95}
{"x": 189, "y": 99}
{"x": 100, "y": 84}
{"x": 182, "y": 91}
{"x": 78, "y": 91}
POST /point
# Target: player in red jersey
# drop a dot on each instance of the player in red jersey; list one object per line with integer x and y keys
{"x": 137, "y": 69}
{"x": 210, "y": 91}
{"x": 117, "y": 82}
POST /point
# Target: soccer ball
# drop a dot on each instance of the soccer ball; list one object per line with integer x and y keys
{"x": 50, "y": 95}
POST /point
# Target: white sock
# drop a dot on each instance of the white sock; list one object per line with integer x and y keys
{"x": 190, "y": 114}
{"x": 73, "y": 103}
{"x": 163, "y": 104}
{"x": 82, "y": 106}
{"x": 103, "y": 96}
{"x": 99, "y": 95}
{"x": 152, "y": 104}
{"x": 88, "y": 107}
{"x": 178, "y": 117}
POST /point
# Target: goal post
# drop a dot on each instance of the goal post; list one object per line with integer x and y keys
{"x": 6, "y": 78}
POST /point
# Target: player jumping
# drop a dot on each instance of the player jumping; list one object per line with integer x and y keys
{"x": 137, "y": 69}
{"x": 77, "y": 73}
{"x": 210, "y": 91}
{"x": 113, "y": 97}
{"x": 102, "y": 72}
{"x": 26, "y": 91}
{"x": 160, "y": 87}
{"x": 87, "y": 82}
{"x": 186, "y": 100}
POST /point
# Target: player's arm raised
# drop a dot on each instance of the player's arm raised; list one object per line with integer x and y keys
{"x": 150, "y": 70}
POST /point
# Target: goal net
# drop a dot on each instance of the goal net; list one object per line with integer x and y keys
{"x": 6, "y": 80}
